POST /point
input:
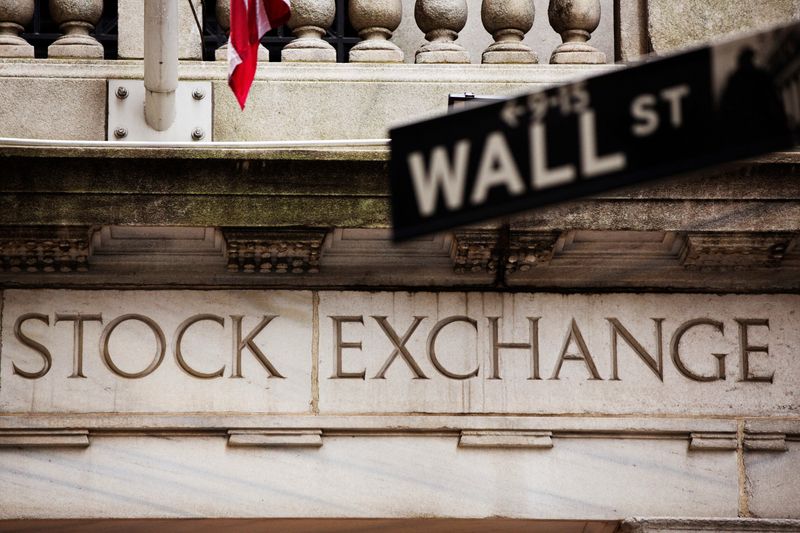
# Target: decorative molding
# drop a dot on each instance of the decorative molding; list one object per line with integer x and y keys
{"x": 48, "y": 249}
{"x": 732, "y": 525}
{"x": 475, "y": 250}
{"x": 765, "y": 442}
{"x": 277, "y": 438}
{"x": 713, "y": 442}
{"x": 44, "y": 438}
{"x": 157, "y": 244}
{"x": 278, "y": 251}
{"x": 737, "y": 251}
{"x": 528, "y": 249}
{"x": 506, "y": 439}
{"x": 563, "y": 426}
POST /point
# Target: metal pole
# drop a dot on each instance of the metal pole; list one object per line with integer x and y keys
{"x": 160, "y": 62}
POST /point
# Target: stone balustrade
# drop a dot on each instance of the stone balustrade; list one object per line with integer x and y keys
{"x": 376, "y": 21}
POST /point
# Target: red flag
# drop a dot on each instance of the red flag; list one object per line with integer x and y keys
{"x": 250, "y": 20}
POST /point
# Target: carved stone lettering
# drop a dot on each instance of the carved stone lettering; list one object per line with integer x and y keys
{"x": 339, "y": 345}
{"x": 390, "y": 353}
{"x": 160, "y": 346}
{"x": 676, "y": 354}
{"x": 432, "y": 347}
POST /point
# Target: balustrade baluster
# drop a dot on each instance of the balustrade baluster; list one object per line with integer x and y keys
{"x": 375, "y": 21}
{"x": 508, "y": 21}
{"x": 223, "y": 13}
{"x": 575, "y": 20}
{"x": 76, "y": 19}
{"x": 310, "y": 20}
{"x": 441, "y": 20}
{"x": 14, "y": 16}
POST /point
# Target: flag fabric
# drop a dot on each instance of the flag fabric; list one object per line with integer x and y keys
{"x": 250, "y": 20}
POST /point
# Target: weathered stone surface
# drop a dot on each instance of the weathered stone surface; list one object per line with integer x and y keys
{"x": 508, "y": 22}
{"x": 368, "y": 476}
{"x": 773, "y": 482}
{"x": 14, "y": 16}
{"x": 76, "y": 18}
{"x": 631, "y": 39}
{"x": 441, "y": 21}
{"x": 575, "y": 20}
{"x": 364, "y": 375}
{"x": 133, "y": 346}
{"x": 376, "y": 21}
{"x": 716, "y": 525}
{"x": 76, "y": 108}
{"x": 131, "y": 30}
{"x": 309, "y": 21}
{"x": 474, "y": 38}
{"x": 678, "y": 24}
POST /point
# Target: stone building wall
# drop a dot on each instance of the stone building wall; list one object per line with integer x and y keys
{"x": 228, "y": 331}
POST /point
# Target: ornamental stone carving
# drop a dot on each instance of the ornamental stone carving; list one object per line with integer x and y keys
{"x": 376, "y": 21}
{"x": 441, "y": 21}
{"x": 508, "y": 21}
{"x": 475, "y": 251}
{"x": 309, "y": 22}
{"x": 278, "y": 251}
{"x": 721, "y": 251}
{"x": 529, "y": 249}
{"x": 223, "y": 13}
{"x": 575, "y": 20}
{"x": 76, "y": 18}
{"x": 14, "y": 16}
{"x": 44, "y": 249}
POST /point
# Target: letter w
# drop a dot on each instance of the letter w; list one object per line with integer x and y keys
{"x": 442, "y": 174}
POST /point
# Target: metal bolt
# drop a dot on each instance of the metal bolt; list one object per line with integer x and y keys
{"x": 198, "y": 134}
{"x": 122, "y": 93}
{"x": 198, "y": 94}
{"x": 120, "y": 133}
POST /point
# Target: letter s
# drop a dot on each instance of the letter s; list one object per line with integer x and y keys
{"x": 30, "y": 343}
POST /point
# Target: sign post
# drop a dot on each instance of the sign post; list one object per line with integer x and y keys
{"x": 669, "y": 115}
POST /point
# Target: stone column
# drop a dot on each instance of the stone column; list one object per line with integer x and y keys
{"x": 575, "y": 20}
{"x": 223, "y": 12}
{"x": 508, "y": 21}
{"x": 76, "y": 19}
{"x": 310, "y": 20}
{"x": 376, "y": 21}
{"x": 14, "y": 15}
{"x": 441, "y": 20}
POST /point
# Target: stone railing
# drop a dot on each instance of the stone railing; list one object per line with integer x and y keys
{"x": 508, "y": 21}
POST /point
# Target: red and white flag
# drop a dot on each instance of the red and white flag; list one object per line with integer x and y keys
{"x": 250, "y": 20}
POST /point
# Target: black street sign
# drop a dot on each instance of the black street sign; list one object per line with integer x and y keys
{"x": 688, "y": 111}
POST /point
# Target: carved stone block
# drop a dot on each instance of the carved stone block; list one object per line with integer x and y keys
{"x": 528, "y": 249}
{"x": 279, "y": 251}
{"x": 475, "y": 251}
{"x": 44, "y": 249}
{"x": 736, "y": 251}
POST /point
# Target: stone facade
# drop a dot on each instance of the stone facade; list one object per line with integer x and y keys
{"x": 226, "y": 331}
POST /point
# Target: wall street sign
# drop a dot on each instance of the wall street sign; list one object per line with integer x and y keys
{"x": 670, "y": 115}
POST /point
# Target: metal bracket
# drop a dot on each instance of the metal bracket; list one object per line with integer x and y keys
{"x": 193, "y": 113}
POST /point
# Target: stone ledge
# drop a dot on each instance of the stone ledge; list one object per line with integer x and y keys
{"x": 101, "y": 423}
{"x": 317, "y": 72}
{"x": 266, "y": 438}
{"x": 689, "y": 525}
{"x": 41, "y": 438}
{"x": 538, "y": 440}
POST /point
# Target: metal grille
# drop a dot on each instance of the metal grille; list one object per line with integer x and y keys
{"x": 43, "y": 30}
{"x": 340, "y": 35}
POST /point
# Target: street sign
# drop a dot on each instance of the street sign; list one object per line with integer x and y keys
{"x": 669, "y": 115}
